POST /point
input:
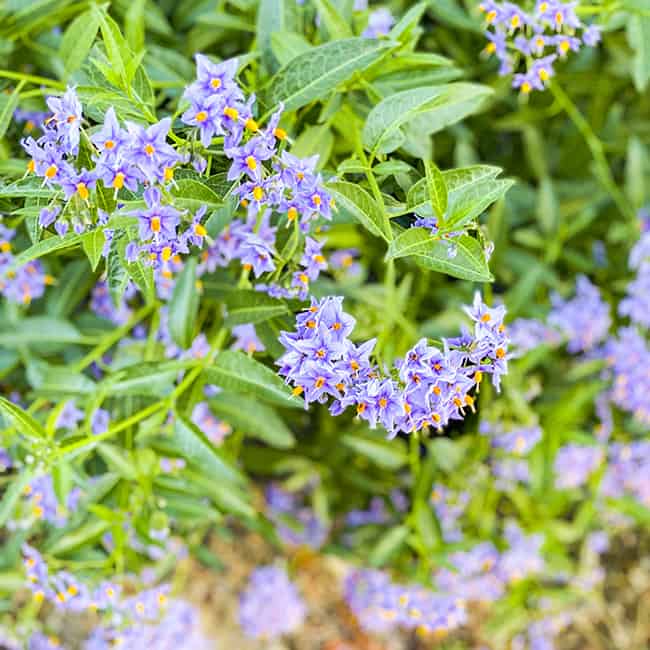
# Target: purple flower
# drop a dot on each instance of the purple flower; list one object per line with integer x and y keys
{"x": 111, "y": 138}
{"x": 380, "y": 22}
{"x": 584, "y": 320}
{"x": 246, "y": 339}
{"x": 69, "y": 416}
{"x": 149, "y": 149}
{"x": 100, "y": 421}
{"x": 66, "y": 119}
{"x": 216, "y": 430}
{"x": 158, "y": 222}
{"x": 48, "y": 215}
{"x": 574, "y": 464}
{"x": 270, "y": 606}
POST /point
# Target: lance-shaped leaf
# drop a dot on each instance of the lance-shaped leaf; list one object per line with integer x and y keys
{"x": 354, "y": 199}
{"x": 77, "y": 40}
{"x": 436, "y": 188}
{"x": 234, "y": 371}
{"x": 461, "y": 257}
{"x": 197, "y": 449}
{"x": 314, "y": 74}
{"x": 184, "y": 305}
{"x": 24, "y": 423}
{"x": 252, "y": 307}
{"x": 425, "y": 110}
{"x": 254, "y": 418}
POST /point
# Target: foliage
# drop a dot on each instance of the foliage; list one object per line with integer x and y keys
{"x": 149, "y": 298}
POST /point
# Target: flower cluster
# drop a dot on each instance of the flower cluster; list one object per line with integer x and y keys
{"x": 430, "y": 388}
{"x": 148, "y": 619}
{"x": 537, "y": 38}
{"x": 296, "y": 524}
{"x": 518, "y": 440}
{"x": 45, "y": 504}
{"x": 636, "y": 305}
{"x": 214, "y": 428}
{"x": 270, "y": 606}
{"x": 449, "y": 507}
{"x": 23, "y": 283}
{"x": 380, "y": 605}
{"x": 270, "y": 178}
{"x": 584, "y": 320}
{"x": 482, "y": 573}
{"x": 124, "y": 159}
{"x": 628, "y": 472}
{"x": 575, "y": 463}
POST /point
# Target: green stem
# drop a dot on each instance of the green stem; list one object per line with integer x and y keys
{"x": 31, "y": 78}
{"x": 596, "y": 148}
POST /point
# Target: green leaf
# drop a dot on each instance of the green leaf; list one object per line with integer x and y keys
{"x": 8, "y": 104}
{"x": 425, "y": 523}
{"x": 237, "y": 372}
{"x": 77, "y": 41}
{"x": 117, "y": 277}
{"x": 314, "y": 74}
{"x": 336, "y": 26}
{"x": 13, "y": 493}
{"x": 93, "y": 244}
{"x": 86, "y": 534}
{"x": 44, "y": 247}
{"x": 405, "y": 25}
{"x": 425, "y": 110}
{"x": 354, "y": 199}
{"x": 118, "y": 460}
{"x": 437, "y": 189}
{"x": 57, "y": 381}
{"x": 288, "y": 45}
{"x": 252, "y": 307}
{"x": 198, "y": 450}
{"x": 134, "y": 25}
{"x": 191, "y": 194}
{"x": 471, "y": 190}
{"x": 638, "y": 33}
{"x": 40, "y": 329}
{"x": 447, "y": 453}
{"x": 389, "y": 454}
{"x": 274, "y": 16}
{"x": 254, "y": 418}
{"x": 389, "y": 544}
{"x": 431, "y": 252}
{"x": 155, "y": 378}
{"x": 119, "y": 55}
{"x": 184, "y": 306}
{"x": 142, "y": 275}
{"x": 71, "y": 288}
{"x": 21, "y": 420}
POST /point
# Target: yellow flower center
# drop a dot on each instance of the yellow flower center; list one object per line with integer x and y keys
{"x": 149, "y": 150}
{"x": 118, "y": 181}
{"x": 109, "y": 144}
{"x": 258, "y": 193}
{"x": 201, "y": 116}
{"x": 230, "y": 112}
{"x": 252, "y": 125}
{"x": 51, "y": 171}
{"x": 82, "y": 190}
{"x": 155, "y": 224}
{"x": 251, "y": 163}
